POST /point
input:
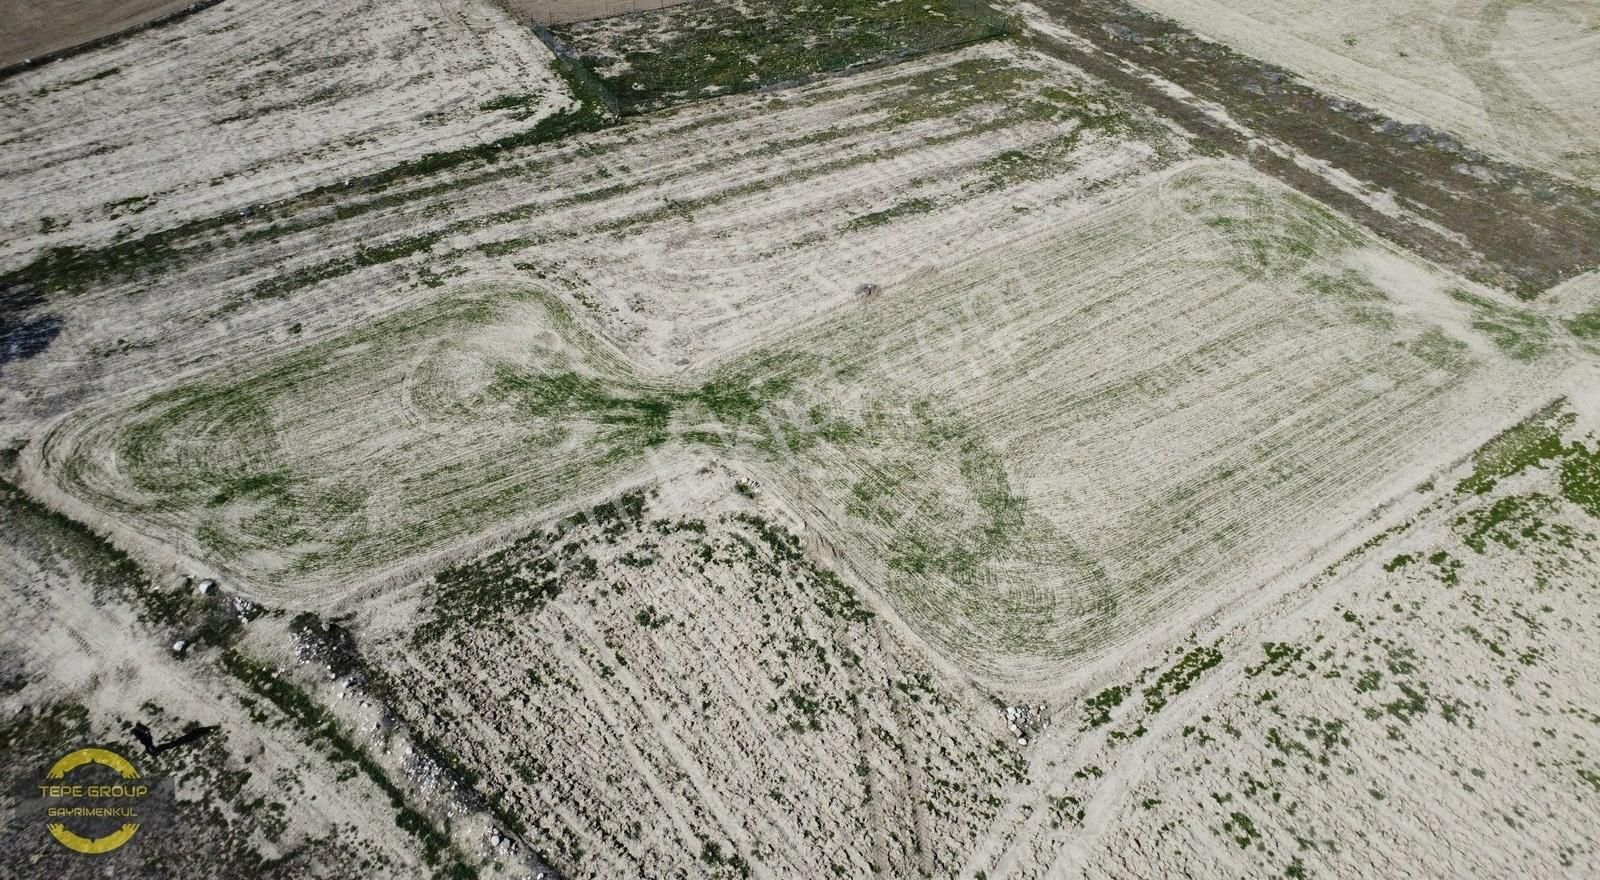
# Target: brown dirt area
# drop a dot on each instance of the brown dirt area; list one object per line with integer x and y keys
{"x": 564, "y": 11}
{"x": 38, "y": 28}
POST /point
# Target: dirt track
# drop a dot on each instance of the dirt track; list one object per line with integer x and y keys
{"x": 563, "y": 11}
{"x": 38, "y": 28}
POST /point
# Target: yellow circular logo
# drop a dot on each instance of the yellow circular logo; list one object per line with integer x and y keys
{"x": 123, "y": 797}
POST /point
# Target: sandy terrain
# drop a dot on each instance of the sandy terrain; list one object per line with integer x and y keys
{"x": 1520, "y": 80}
{"x": 36, "y": 28}
{"x": 253, "y": 799}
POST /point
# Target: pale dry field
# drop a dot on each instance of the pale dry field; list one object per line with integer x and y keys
{"x": 1520, "y": 80}
{"x": 947, "y": 469}
{"x": 1424, "y": 706}
{"x": 233, "y": 107}
{"x": 1307, "y": 375}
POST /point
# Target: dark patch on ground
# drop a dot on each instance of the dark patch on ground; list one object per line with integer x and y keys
{"x": 24, "y": 338}
{"x": 677, "y": 54}
{"x": 141, "y": 732}
{"x": 1525, "y": 230}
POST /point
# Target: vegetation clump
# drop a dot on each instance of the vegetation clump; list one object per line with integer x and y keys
{"x": 1180, "y": 676}
{"x": 654, "y": 59}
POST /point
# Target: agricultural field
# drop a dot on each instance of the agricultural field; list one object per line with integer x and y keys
{"x": 1419, "y": 707}
{"x": 1519, "y": 80}
{"x": 230, "y": 107}
{"x": 675, "y": 258}
{"x": 904, "y": 439}
{"x": 910, "y": 416}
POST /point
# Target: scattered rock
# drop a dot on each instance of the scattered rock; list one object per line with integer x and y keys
{"x": 1119, "y": 31}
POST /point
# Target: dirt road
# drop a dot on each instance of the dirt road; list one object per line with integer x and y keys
{"x": 564, "y": 11}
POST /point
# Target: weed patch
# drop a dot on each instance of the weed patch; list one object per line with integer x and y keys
{"x": 652, "y": 60}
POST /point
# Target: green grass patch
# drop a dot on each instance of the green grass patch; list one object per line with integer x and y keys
{"x": 1520, "y": 334}
{"x": 1539, "y": 442}
{"x": 1097, "y": 709}
{"x": 1512, "y": 522}
{"x": 1586, "y": 326}
{"x": 1181, "y": 676}
{"x": 900, "y": 209}
{"x": 1440, "y": 350}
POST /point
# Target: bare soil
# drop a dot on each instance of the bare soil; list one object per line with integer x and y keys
{"x": 564, "y": 11}
{"x": 39, "y": 27}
